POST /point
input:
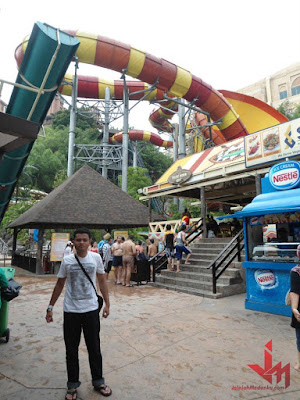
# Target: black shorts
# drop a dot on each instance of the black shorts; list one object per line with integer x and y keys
{"x": 117, "y": 261}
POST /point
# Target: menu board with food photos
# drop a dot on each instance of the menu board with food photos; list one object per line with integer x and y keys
{"x": 282, "y": 218}
{"x": 273, "y": 144}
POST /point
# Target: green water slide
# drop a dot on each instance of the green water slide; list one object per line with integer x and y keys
{"x": 46, "y": 60}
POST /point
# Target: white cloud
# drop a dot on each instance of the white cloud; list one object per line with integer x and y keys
{"x": 229, "y": 44}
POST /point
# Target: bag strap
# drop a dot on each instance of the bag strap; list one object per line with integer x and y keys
{"x": 85, "y": 273}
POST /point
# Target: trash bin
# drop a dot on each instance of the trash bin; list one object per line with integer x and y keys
{"x": 141, "y": 272}
{"x": 4, "y": 331}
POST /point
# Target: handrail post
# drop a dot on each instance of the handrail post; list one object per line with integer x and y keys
{"x": 154, "y": 268}
{"x": 239, "y": 248}
{"x": 214, "y": 279}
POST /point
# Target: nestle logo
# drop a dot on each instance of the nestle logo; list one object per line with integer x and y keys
{"x": 266, "y": 278}
{"x": 286, "y": 176}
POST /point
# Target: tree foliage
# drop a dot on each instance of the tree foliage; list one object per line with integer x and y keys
{"x": 47, "y": 162}
{"x": 136, "y": 179}
{"x": 60, "y": 177}
{"x": 290, "y": 110}
{"x": 155, "y": 161}
{"x": 49, "y": 155}
{"x": 14, "y": 211}
{"x": 175, "y": 213}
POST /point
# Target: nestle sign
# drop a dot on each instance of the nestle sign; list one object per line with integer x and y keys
{"x": 285, "y": 175}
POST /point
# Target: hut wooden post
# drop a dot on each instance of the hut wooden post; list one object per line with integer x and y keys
{"x": 14, "y": 246}
{"x": 150, "y": 211}
{"x": 203, "y": 211}
{"x": 39, "y": 254}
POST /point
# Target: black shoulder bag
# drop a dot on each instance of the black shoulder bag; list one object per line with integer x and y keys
{"x": 100, "y": 299}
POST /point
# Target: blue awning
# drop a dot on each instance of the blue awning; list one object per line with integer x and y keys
{"x": 271, "y": 203}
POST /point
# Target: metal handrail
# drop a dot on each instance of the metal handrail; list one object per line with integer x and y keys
{"x": 198, "y": 228}
{"x": 155, "y": 259}
{"x": 225, "y": 258}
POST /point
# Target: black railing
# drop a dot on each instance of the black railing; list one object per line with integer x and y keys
{"x": 25, "y": 262}
{"x": 225, "y": 258}
{"x": 196, "y": 230}
{"x": 159, "y": 262}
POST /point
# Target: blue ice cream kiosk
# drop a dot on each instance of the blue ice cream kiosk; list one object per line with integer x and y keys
{"x": 271, "y": 225}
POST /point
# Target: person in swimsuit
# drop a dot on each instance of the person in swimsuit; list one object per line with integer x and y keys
{"x": 181, "y": 243}
{"x": 94, "y": 247}
{"x": 139, "y": 247}
{"x": 152, "y": 252}
{"x": 117, "y": 261}
{"x": 129, "y": 253}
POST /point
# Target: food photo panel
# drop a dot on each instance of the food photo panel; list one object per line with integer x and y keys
{"x": 254, "y": 147}
{"x": 271, "y": 142}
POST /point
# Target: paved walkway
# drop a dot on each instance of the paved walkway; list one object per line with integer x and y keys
{"x": 156, "y": 344}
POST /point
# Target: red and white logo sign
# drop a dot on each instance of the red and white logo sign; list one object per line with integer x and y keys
{"x": 285, "y": 175}
{"x": 290, "y": 175}
{"x": 265, "y": 278}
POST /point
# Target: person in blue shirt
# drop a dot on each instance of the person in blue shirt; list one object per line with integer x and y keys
{"x": 106, "y": 238}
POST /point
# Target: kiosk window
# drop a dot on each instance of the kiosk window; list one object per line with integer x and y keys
{"x": 273, "y": 242}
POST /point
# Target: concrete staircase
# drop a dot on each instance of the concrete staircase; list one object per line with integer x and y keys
{"x": 197, "y": 279}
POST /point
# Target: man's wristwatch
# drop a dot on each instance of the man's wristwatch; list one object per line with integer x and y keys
{"x": 50, "y": 308}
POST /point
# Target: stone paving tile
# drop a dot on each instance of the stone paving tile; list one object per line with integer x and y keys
{"x": 37, "y": 394}
{"x": 156, "y": 344}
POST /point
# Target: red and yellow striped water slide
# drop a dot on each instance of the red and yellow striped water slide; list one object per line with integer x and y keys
{"x": 144, "y": 136}
{"x": 236, "y": 114}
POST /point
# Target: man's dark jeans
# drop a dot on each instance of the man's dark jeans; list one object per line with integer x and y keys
{"x": 89, "y": 322}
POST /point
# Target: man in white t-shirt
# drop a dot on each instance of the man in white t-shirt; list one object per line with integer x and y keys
{"x": 81, "y": 311}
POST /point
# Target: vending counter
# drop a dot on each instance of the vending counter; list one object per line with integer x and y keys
{"x": 271, "y": 225}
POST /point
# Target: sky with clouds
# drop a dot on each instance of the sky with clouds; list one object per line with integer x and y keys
{"x": 229, "y": 44}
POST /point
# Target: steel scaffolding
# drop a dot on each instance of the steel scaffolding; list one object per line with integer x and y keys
{"x": 111, "y": 160}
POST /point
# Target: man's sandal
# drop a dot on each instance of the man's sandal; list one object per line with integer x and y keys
{"x": 103, "y": 390}
{"x": 71, "y": 392}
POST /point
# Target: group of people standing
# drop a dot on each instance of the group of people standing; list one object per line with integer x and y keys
{"x": 119, "y": 254}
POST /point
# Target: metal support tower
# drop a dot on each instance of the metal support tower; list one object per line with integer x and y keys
{"x": 181, "y": 132}
{"x": 125, "y": 136}
{"x": 72, "y": 121}
{"x": 106, "y": 131}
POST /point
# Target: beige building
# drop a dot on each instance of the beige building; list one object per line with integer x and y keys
{"x": 277, "y": 88}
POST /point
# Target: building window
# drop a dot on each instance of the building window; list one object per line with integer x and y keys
{"x": 296, "y": 86}
{"x": 283, "y": 94}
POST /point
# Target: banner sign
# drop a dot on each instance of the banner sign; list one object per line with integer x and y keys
{"x": 272, "y": 144}
{"x": 124, "y": 234}
{"x": 58, "y": 244}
